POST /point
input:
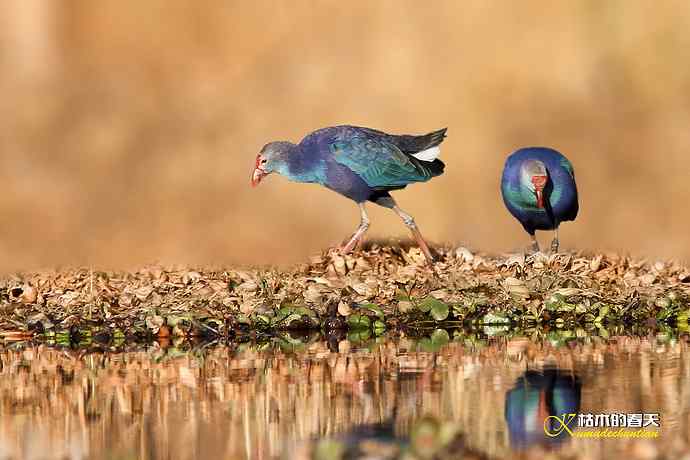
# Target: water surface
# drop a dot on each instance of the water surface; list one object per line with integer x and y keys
{"x": 268, "y": 400}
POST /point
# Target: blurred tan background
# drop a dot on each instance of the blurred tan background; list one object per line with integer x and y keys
{"x": 128, "y": 130}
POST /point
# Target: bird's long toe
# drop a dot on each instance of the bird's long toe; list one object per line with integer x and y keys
{"x": 353, "y": 242}
{"x": 422, "y": 245}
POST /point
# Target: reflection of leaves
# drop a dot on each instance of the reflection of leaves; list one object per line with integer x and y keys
{"x": 358, "y": 322}
{"x": 498, "y": 317}
{"x": 424, "y": 438}
{"x": 665, "y": 334}
{"x": 328, "y": 449}
{"x": 494, "y": 331}
{"x": 262, "y": 346}
{"x": 440, "y": 337}
{"x": 436, "y": 341}
{"x": 62, "y": 338}
{"x": 290, "y": 344}
{"x": 559, "y": 338}
{"x": 359, "y": 336}
{"x": 431, "y": 438}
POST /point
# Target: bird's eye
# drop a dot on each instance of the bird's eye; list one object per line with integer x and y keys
{"x": 263, "y": 161}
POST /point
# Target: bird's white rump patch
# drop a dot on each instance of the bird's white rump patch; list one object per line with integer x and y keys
{"x": 428, "y": 154}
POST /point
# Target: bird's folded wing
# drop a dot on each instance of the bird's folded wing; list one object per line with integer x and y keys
{"x": 568, "y": 166}
{"x": 379, "y": 163}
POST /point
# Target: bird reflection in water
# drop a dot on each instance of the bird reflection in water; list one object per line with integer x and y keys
{"x": 535, "y": 396}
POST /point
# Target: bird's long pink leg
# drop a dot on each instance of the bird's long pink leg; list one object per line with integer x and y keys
{"x": 359, "y": 233}
{"x": 408, "y": 220}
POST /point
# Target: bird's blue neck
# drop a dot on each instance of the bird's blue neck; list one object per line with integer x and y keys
{"x": 301, "y": 167}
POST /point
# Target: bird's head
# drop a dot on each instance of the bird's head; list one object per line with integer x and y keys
{"x": 535, "y": 177}
{"x": 272, "y": 158}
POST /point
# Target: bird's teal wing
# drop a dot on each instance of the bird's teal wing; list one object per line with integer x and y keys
{"x": 379, "y": 163}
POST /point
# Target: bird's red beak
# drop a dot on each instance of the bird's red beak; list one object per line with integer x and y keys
{"x": 258, "y": 173}
{"x": 539, "y": 184}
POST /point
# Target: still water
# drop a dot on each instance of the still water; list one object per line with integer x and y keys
{"x": 267, "y": 400}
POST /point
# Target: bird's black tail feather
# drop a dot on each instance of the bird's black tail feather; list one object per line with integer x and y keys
{"x": 413, "y": 144}
{"x": 429, "y": 168}
{"x": 436, "y": 167}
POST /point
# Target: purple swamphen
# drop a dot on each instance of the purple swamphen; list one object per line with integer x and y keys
{"x": 362, "y": 164}
{"x": 538, "y": 188}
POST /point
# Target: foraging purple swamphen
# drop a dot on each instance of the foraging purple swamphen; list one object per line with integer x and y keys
{"x": 538, "y": 188}
{"x": 362, "y": 164}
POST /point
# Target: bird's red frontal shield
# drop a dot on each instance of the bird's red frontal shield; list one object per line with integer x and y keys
{"x": 258, "y": 172}
{"x": 539, "y": 182}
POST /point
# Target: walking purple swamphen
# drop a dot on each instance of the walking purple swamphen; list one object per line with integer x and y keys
{"x": 538, "y": 188}
{"x": 362, "y": 164}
